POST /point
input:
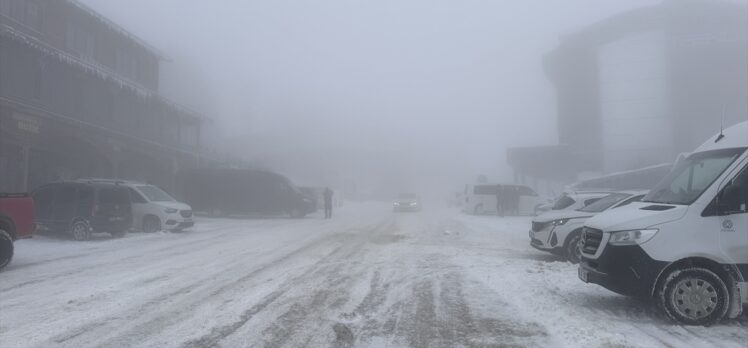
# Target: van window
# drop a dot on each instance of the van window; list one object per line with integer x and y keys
{"x": 591, "y": 201}
{"x": 136, "y": 197}
{"x": 155, "y": 194}
{"x": 113, "y": 196}
{"x": 485, "y": 190}
{"x": 526, "y": 191}
{"x": 692, "y": 176}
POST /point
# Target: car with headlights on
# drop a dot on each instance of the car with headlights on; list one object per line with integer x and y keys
{"x": 559, "y": 232}
{"x": 407, "y": 202}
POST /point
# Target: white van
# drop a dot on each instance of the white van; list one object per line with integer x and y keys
{"x": 482, "y": 199}
{"x": 686, "y": 243}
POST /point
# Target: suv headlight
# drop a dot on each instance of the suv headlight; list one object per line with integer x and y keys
{"x": 559, "y": 222}
{"x": 170, "y": 210}
{"x": 632, "y": 237}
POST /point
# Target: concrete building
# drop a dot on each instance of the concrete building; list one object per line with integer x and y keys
{"x": 79, "y": 98}
{"x": 638, "y": 89}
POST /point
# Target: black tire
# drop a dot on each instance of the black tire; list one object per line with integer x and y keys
{"x": 80, "y": 230}
{"x": 571, "y": 251}
{"x": 151, "y": 224}
{"x": 6, "y": 248}
{"x": 694, "y": 296}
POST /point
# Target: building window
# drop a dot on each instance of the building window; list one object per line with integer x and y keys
{"x": 80, "y": 42}
{"x": 5, "y": 7}
{"x": 126, "y": 64}
{"x": 33, "y": 15}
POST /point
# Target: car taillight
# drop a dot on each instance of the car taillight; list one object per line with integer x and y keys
{"x": 95, "y": 209}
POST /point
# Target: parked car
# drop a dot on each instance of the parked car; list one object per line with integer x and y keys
{"x": 685, "y": 245}
{"x": 16, "y": 222}
{"x": 81, "y": 208}
{"x": 559, "y": 231}
{"x": 226, "y": 191}
{"x": 568, "y": 201}
{"x": 152, "y": 208}
{"x": 482, "y": 199}
{"x": 407, "y": 202}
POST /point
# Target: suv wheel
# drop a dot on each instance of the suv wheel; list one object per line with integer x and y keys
{"x": 572, "y": 250}
{"x": 6, "y": 248}
{"x": 151, "y": 224}
{"x": 80, "y": 231}
{"x": 694, "y": 296}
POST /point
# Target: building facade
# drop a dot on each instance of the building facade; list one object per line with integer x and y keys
{"x": 638, "y": 89}
{"x": 79, "y": 98}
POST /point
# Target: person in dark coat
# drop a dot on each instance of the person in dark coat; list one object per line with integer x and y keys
{"x": 328, "y": 203}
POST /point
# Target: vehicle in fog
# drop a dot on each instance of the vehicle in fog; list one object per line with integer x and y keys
{"x": 16, "y": 222}
{"x": 407, "y": 202}
{"x": 228, "y": 191}
{"x": 154, "y": 210}
{"x": 81, "y": 208}
{"x": 571, "y": 201}
{"x": 482, "y": 199}
{"x": 686, "y": 243}
{"x": 559, "y": 231}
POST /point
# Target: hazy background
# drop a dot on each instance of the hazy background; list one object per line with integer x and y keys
{"x": 370, "y": 93}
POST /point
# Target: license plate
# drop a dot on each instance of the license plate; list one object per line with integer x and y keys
{"x": 584, "y": 275}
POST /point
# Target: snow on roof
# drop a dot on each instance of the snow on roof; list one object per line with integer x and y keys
{"x": 117, "y": 28}
{"x": 92, "y": 68}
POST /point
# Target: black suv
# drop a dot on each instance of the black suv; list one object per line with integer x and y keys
{"x": 82, "y": 208}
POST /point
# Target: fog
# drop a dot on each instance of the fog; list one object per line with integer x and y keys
{"x": 383, "y": 93}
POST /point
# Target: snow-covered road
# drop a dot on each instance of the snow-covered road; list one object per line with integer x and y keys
{"x": 369, "y": 277}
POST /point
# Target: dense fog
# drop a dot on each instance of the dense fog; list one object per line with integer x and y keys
{"x": 386, "y": 93}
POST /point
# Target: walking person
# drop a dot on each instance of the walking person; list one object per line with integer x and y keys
{"x": 499, "y": 200}
{"x": 328, "y": 203}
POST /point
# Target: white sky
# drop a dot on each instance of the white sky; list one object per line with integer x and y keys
{"x": 428, "y": 86}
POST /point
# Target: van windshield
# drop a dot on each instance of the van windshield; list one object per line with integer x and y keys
{"x": 692, "y": 176}
{"x": 604, "y": 203}
{"x": 155, "y": 194}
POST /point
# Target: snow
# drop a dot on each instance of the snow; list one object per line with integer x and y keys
{"x": 368, "y": 277}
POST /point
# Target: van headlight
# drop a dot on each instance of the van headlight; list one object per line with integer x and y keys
{"x": 632, "y": 237}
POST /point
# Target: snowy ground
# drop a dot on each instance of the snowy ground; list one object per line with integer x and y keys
{"x": 369, "y": 277}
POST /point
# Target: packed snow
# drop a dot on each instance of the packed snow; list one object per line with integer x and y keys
{"x": 369, "y": 277}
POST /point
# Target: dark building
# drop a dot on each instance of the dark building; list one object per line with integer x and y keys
{"x": 79, "y": 98}
{"x": 637, "y": 89}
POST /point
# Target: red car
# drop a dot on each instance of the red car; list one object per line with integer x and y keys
{"x": 16, "y": 222}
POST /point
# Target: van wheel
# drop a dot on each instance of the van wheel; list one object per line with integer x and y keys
{"x": 6, "y": 248}
{"x": 80, "y": 231}
{"x": 572, "y": 250}
{"x": 694, "y": 296}
{"x": 151, "y": 224}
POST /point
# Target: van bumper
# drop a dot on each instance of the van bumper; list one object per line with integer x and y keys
{"x": 626, "y": 270}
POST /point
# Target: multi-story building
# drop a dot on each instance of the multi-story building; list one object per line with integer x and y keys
{"x": 639, "y": 88}
{"x": 79, "y": 98}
